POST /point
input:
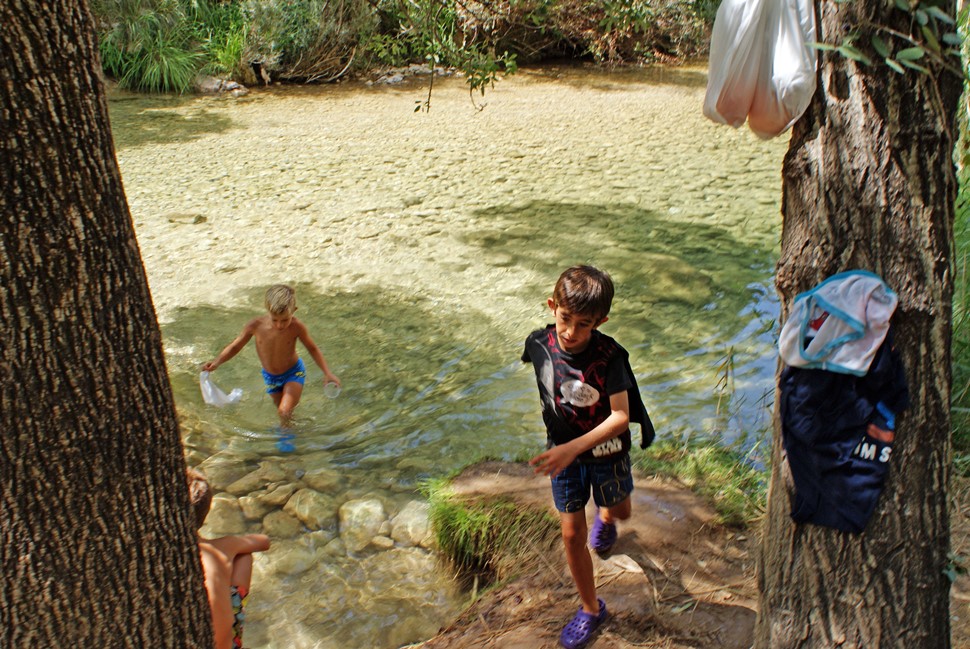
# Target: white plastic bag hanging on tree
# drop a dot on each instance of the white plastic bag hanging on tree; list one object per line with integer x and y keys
{"x": 761, "y": 65}
{"x": 787, "y": 78}
{"x": 213, "y": 396}
{"x": 737, "y": 43}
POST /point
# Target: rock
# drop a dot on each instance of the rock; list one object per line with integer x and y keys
{"x": 213, "y": 86}
{"x": 335, "y": 548}
{"x": 246, "y": 484}
{"x": 293, "y": 557}
{"x": 313, "y": 508}
{"x": 382, "y": 542}
{"x": 253, "y": 508}
{"x": 222, "y": 469}
{"x": 278, "y": 495}
{"x": 281, "y": 525}
{"x": 271, "y": 471}
{"x": 360, "y": 521}
{"x": 391, "y": 79}
{"x": 411, "y": 526}
{"x": 267, "y": 473}
{"x": 322, "y": 479}
{"x": 225, "y": 517}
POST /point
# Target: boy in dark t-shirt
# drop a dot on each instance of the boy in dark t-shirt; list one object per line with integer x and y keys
{"x": 588, "y": 393}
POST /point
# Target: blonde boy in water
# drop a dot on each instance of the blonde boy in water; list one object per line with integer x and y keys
{"x": 276, "y": 334}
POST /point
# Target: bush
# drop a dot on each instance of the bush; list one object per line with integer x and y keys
{"x": 148, "y": 44}
{"x": 221, "y": 30}
{"x": 612, "y": 31}
{"x": 308, "y": 40}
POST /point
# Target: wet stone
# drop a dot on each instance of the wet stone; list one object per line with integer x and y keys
{"x": 225, "y": 517}
{"x": 411, "y": 526}
{"x": 278, "y": 495}
{"x": 313, "y": 508}
{"x": 281, "y": 525}
{"x": 360, "y": 521}
{"x": 253, "y": 508}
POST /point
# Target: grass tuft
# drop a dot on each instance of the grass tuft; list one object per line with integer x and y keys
{"x": 489, "y": 537}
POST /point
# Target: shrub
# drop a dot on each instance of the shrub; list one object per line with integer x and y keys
{"x": 308, "y": 40}
{"x": 148, "y": 44}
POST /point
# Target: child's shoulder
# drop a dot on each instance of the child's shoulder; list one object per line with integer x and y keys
{"x": 606, "y": 345}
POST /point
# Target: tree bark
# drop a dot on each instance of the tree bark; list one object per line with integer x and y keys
{"x": 96, "y": 542}
{"x": 869, "y": 183}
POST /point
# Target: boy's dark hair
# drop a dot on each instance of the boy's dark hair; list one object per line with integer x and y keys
{"x": 585, "y": 290}
{"x": 200, "y": 495}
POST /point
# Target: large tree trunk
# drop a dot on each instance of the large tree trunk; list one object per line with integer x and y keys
{"x": 869, "y": 183}
{"x": 96, "y": 543}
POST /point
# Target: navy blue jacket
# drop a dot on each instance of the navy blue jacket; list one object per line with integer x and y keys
{"x": 837, "y": 467}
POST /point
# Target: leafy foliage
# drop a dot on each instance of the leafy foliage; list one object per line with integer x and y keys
{"x": 148, "y": 44}
{"x": 305, "y": 40}
{"x": 221, "y": 30}
{"x": 932, "y": 37}
{"x": 161, "y": 44}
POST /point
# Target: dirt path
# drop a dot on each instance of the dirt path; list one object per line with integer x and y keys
{"x": 675, "y": 578}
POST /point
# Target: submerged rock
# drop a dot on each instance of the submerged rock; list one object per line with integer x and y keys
{"x": 225, "y": 517}
{"x": 313, "y": 508}
{"x": 361, "y": 521}
{"x": 411, "y": 526}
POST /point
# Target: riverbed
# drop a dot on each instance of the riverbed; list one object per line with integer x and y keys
{"x": 423, "y": 246}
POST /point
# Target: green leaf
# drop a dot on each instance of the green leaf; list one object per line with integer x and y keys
{"x": 880, "y": 46}
{"x": 939, "y": 14}
{"x": 952, "y": 38}
{"x": 911, "y": 54}
{"x": 822, "y": 46}
{"x": 921, "y": 17}
{"x": 903, "y": 4}
{"x": 931, "y": 39}
{"x": 895, "y": 66}
{"x": 851, "y": 52}
{"x": 915, "y": 66}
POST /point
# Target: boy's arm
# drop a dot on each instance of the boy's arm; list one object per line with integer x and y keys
{"x": 241, "y": 544}
{"x": 232, "y": 348}
{"x": 557, "y": 458}
{"x": 315, "y": 353}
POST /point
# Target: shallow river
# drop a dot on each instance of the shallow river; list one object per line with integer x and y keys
{"x": 422, "y": 247}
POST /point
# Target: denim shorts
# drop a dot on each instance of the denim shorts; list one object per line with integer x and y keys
{"x": 611, "y": 483}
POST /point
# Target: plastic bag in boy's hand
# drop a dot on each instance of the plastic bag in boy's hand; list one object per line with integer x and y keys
{"x": 213, "y": 396}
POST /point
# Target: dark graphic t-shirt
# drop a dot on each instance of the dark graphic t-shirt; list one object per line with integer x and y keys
{"x": 575, "y": 389}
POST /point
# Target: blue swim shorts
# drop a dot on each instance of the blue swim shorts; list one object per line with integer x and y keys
{"x": 275, "y": 382}
{"x": 611, "y": 483}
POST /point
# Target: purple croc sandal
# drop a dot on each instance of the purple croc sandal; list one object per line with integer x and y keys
{"x": 603, "y": 535}
{"x": 581, "y": 628}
